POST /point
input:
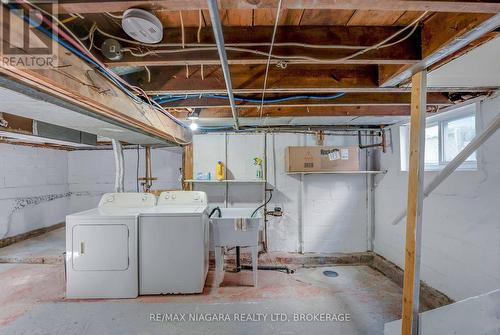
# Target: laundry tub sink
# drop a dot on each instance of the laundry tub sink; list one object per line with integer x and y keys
{"x": 236, "y": 227}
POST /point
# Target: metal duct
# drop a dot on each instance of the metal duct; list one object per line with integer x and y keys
{"x": 119, "y": 166}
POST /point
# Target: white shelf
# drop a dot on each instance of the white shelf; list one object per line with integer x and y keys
{"x": 225, "y": 181}
{"x": 339, "y": 172}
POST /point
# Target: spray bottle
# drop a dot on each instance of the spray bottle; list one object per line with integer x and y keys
{"x": 257, "y": 162}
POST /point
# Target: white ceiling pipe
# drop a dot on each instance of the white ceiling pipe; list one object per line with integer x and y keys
{"x": 119, "y": 166}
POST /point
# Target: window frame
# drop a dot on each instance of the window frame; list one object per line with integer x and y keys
{"x": 441, "y": 120}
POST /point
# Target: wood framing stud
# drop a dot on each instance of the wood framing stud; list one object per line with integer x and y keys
{"x": 411, "y": 282}
{"x": 187, "y": 165}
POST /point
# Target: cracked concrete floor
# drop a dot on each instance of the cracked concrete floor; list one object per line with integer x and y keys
{"x": 32, "y": 302}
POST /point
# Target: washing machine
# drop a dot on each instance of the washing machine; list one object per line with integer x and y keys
{"x": 173, "y": 244}
{"x": 101, "y": 247}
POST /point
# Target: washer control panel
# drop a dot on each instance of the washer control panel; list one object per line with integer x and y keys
{"x": 182, "y": 198}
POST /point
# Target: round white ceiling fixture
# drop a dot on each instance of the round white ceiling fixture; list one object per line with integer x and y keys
{"x": 142, "y": 26}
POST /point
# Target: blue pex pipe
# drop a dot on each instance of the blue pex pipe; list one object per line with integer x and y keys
{"x": 165, "y": 99}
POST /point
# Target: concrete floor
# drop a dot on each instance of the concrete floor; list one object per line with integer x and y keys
{"x": 44, "y": 249}
{"x": 32, "y": 302}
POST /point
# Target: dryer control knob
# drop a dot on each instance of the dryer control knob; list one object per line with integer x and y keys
{"x": 173, "y": 196}
{"x": 110, "y": 199}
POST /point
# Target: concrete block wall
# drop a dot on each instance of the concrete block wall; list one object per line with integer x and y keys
{"x": 461, "y": 225}
{"x": 334, "y": 207}
{"x": 34, "y": 190}
{"x": 92, "y": 173}
{"x": 40, "y": 186}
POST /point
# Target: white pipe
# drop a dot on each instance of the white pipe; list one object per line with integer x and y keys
{"x": 457, "y": 161}
{"x": 119, "y": 168}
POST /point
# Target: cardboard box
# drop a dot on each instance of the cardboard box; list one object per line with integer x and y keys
{"x": 316, "y": 159}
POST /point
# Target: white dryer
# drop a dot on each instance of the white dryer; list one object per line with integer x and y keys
{"x": 173, "y": 244}
{"x": 101, "y": 247}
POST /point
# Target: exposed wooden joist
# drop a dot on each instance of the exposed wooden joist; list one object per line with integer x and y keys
{"x": 17, "y": 124}
{"x": 442, "y": 35}
{"x": 406, "y": 52}
{"x": 75, "y": 83}
{"x": 350, "y": 99}
{"x": 303, "y": 111}
{"x": 97, "y": 6}
{"x": 173, "y": 78}
{"x": 411, "y": 281}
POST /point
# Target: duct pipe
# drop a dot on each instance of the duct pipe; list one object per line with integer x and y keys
{"x": 119, "y": 169}
{"x": 457, "y": 161}
{"x": 219, "y": 40}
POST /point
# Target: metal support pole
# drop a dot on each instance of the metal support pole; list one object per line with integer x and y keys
{"x": 219, "y": 40}
{"x": 411, "y": 281}
{"x": 457, "y": 161}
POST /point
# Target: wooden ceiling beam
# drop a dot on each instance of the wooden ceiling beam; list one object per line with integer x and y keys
{"x": 172, "y": 79}
{"x": 76, "y": 84}
{"x": 443, "y": 34}
{"x": 406, "y": 52}
{"x": 98, "y": 6}
{"x": 350, "y": 99}
{"x": 309, "y": 111}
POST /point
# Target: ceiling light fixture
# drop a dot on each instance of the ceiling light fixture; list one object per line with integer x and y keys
{"x": 194, "y": 114}
{"x": 193, "y": 126}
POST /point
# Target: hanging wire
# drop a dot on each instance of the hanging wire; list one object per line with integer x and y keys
{"x": 269, "y": 58}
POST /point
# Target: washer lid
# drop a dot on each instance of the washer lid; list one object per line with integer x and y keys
{"x": 142, "y": 26}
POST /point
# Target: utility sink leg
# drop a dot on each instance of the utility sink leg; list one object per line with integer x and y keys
{"x": 219, "y": 265}
{"x": 255, "y": 255}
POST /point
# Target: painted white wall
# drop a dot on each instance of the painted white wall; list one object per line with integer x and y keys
{"x": 40, "y": 186}
{"x": 461, "y": 225}
{"x": 334, "y": 206}
{"x": 476, "y": 315}
{"x": 92, "y": 173}
{"x": 477, "y": 68}
{"x": 34, "y": 190}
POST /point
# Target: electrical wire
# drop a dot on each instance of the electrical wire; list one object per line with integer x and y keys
{"x": 237, "y": 46}
{"x": 278, "y": 11}
{"x": 78, "y": 48}
{"x": 254, "y": 44}
{"x": 114, "y": 16}
{"x": 296, "y": 59}
{"x": 81, "y": 51}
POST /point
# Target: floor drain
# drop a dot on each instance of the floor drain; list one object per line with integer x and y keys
{"x": 330, "y": 273}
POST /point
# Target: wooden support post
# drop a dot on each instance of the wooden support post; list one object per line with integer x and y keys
{"x": 411, "y": 283}
{"x": 187, "y": 165}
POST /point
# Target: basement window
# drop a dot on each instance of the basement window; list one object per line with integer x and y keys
{"x": 446, "y": 135}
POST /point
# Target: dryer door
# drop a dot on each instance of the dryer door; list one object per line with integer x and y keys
{"x": 100, "y": 247}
